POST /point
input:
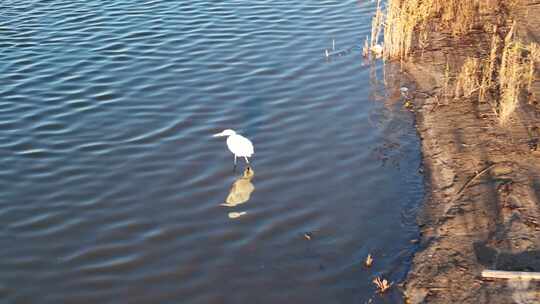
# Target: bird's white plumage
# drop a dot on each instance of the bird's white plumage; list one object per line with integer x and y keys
{"x": 239, "y": 145}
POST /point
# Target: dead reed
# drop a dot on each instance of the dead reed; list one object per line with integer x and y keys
{"x": 534, "y": 50}
{"x": 382, "y": 284}
{"x": 408, "y": 21}
{"x": 376, "y": 25}
{"x": 509, "y": 80}
{"x": 500, "y": 78}
{"x": 511, "y": 77}
{"x": 488, "y": 67}
{"x": 516, "y": 74}
{"x": 371, "y": 44}
{"x": 467, "y": 80}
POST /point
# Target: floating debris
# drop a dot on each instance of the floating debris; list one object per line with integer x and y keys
{"x": 365, "y": 49}
{"x": 369, "y": 261}
{"x": 404, "y": 90}
{"x": 327, "y": 53}
{"x": 408, "y": 104}
{"x": 382, "y": 284}
{"x": 233, "y": 215}
{"x": 377, "y": 50}
{"x": 334, "y": 52}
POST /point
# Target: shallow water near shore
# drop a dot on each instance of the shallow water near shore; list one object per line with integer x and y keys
{"x": 111, "y": 183}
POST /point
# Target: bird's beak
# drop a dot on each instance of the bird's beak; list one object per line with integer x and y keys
{"x": 218, "y": 134}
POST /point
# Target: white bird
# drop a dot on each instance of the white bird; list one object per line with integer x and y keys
{"x": 237, "y": 144}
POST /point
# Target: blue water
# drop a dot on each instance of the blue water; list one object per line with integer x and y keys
{"x": 111, "y": 184}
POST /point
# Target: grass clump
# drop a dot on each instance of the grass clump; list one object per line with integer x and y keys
{"x": 516, "y": 73}
{"x": 511, "y": 76}
{"x": 501, "y": 77}
{"x": 489, "y": 67}
{"x": 508, "y": 80}
{"x": 408, "y": 21}
{"x": 467, "y": 80}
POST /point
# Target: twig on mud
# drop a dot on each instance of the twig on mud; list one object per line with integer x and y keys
{"x": 473, "y": 145}
{"x": 460, "y": 192}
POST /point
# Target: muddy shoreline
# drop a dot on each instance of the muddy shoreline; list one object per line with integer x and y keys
{"x": 482, "y": 209}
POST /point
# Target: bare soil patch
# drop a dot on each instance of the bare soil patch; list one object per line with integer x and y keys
{"x": 483, "y": 208}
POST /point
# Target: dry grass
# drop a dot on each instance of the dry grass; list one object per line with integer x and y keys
{"x": 500, "y": 78}
{"x": 468, "y": 80}
{"x": 410, "y": 21}
{"x": 534, "y": 50}
{"x": 509, "y": 80}
{"x": 399, "y": 28}
{"x": 516, "y": 74}
{"x": 510, "y": 76}
{"x": 371, "y": 44}
{"x": 407, "y": 20}
{"x": 457, "y": 16}
{"x": 446, "y": 80}
{"x": 488, "y": 67}
{"x": 365, "y": 49}
{"x": 376, "y": 25}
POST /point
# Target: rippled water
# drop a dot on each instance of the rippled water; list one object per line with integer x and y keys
{"x": 111, "y": 183}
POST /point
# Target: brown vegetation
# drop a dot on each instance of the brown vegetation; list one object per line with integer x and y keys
{"x": 501, "y": 78}
{"x": 408, "y": 21}
{"x": 382, "y": 284}
{"x": 371, "y": 44}
{"x": 475, "y": 94}
{"x": 468, "y": 78}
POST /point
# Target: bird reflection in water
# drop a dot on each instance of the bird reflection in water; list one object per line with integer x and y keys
{"x": 241, "y": 189}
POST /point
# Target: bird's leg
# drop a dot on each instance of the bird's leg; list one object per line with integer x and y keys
{"x": 234, "y": 167}
{"x": 247, "y": 161}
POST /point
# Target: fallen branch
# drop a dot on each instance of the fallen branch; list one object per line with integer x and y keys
{"x": 460, "y": 192}
{"x": 512, "y": 275}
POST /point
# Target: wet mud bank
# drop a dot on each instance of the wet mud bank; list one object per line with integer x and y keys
{"x": 482, "y": 209}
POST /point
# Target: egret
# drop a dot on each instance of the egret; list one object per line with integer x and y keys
{"x": 237, "y": 144}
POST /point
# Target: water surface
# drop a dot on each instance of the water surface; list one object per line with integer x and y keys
{"x": 111, "y": 183}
